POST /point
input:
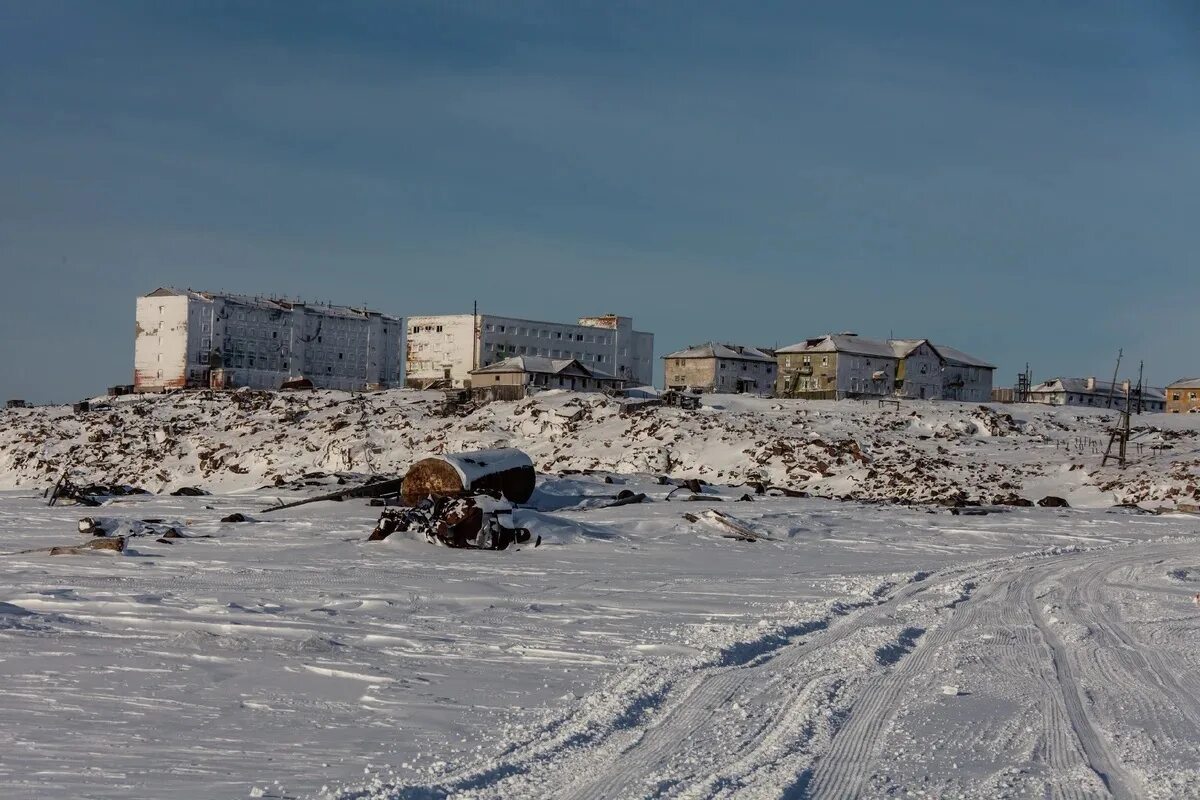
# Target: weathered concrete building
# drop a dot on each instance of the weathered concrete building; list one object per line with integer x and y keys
{"x": 445, "y": 349}
{"x": 522, "y": 373}
{"x": 717, "y": 367}
{"x": 1096, "y": 394}
{"x": 1183, "y": 396}
{"x": 841, "y": 365}
{"x": 201, "y": 339}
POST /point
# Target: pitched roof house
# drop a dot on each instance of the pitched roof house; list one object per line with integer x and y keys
{"x": 717, "y": 367}
{"x": 1095, "y": 394}
{"x": 521, "y": 372}
{"x": 1183, "y": 396}
{"x": 846, "y": 364}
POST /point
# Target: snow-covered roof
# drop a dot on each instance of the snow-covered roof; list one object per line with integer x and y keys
{"x": 720, "y": 350}
{"x": 958, "y": 357}
{"x": 541, "y": 364}
{"x": 270, "y": 303}
{"x": 1185, "y": 383}
{"x": 843, "y": 343}
{"x": 904, "y": 347}
{"x": 1079, "y": 386}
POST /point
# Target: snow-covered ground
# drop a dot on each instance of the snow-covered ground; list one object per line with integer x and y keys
{"x": 857, "y": 649}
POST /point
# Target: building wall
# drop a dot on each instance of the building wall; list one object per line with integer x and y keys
{"x": 439, "y": 343}
{"x": 160, "y": 349}
{"x": 735, "y": 374}
{"x": 919, "y": 374}
{"x": 1183, "y": 400}
{"x": 609, "y": 344}
{"x": 855, "y": 371}
{"x": 793, "y": 380}
{"x": 682, "y": 373}
{"x": 1096, "y": 399}
{"x": 976, "y": 383}
{"x": 260, "y": 345}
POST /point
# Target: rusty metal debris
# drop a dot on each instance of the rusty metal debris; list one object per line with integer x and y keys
{"x": 479, "y": 522}
{"x": 506, "y": 471}
{"x": 66, "y": 490}
{"x": 377, "y": 488}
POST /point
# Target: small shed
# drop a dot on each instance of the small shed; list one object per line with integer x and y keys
{"x": 506, "y": 470}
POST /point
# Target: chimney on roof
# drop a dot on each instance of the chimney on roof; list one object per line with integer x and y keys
{"x": 1090, "y": 384}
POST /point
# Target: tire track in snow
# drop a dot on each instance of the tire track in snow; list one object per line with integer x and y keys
{"x": 1111, "y": 773}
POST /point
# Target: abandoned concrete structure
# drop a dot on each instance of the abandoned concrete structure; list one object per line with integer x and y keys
{"x": 520, "y": 373}
{"x": 443, "y": 350}
{"x": 187, "y": 339}
{"x": 1183, "y": 396}
{"x": 716, "y": 367}
{"x": 840, "y": 365}
{"x": 1096, "y": 394}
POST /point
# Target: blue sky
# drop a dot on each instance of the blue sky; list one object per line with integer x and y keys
{"x": 1017, "y": 179}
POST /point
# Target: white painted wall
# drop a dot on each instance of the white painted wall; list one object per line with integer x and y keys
{"x": 440, "y": 342}
{"x": 260, "y": 345}
{"x": 160, "y": 343}
{"x": 437, "y": 343}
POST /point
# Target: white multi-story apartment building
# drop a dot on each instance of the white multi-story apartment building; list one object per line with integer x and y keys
{"x": 200, "y": 339}
{"x": 448, "y": 347}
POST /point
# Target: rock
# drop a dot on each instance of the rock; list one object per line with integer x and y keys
{"x": 188, "y": 491}
{"x": 1050, "y": 501}
{"x": 237, "y": 516}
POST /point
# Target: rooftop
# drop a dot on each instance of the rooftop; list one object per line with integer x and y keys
{"x": 720, "y": 350}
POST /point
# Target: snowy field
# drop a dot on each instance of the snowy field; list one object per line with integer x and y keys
{"x": 857, "y": 649}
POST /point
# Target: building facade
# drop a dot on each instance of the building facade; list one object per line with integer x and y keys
{"x": 188, "y": 339}
{"x": 1091, "y": 393}
{"x": 444, "y": 349}
{"x": 1183, "y": 396}
{"x": 716, "y": 367}
{"x": 835, "y": 366}
{"x": 538, "y": 372}
{"x": 841, "y": 365}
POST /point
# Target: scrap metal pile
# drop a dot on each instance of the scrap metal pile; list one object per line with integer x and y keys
{"x": 480, "y": 521}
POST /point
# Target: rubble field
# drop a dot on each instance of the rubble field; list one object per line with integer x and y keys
{"x": 920, "y": 452}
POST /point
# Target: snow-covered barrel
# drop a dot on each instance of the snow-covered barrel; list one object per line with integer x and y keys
{"x": 507, "y": 471}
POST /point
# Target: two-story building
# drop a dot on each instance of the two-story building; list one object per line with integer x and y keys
{"x": 1183, "y": 396}
{"x": 723, "y": 368}
{"x": 840, "y": 365}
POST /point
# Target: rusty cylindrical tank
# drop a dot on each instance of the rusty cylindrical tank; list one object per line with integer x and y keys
{"x": 507, "y": 470}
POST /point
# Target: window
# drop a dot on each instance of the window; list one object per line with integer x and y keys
{"x": 339, "y": 356}
{"x": 502, "y": 329}
{"x": 1175, "y": 395}
{"x": 439, "y": 329}
{"x": 824, "y": 361}
{"x": 807, "y": 360}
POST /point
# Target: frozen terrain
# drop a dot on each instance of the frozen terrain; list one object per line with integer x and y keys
{"x": 856, "y": 649}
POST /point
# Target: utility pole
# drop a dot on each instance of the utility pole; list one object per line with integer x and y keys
{"x": 475, "y": 335}
{"x": 1112, "y": 387}
{"x": 1119, "y": 436}
{"x": 1141, "y": 366}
